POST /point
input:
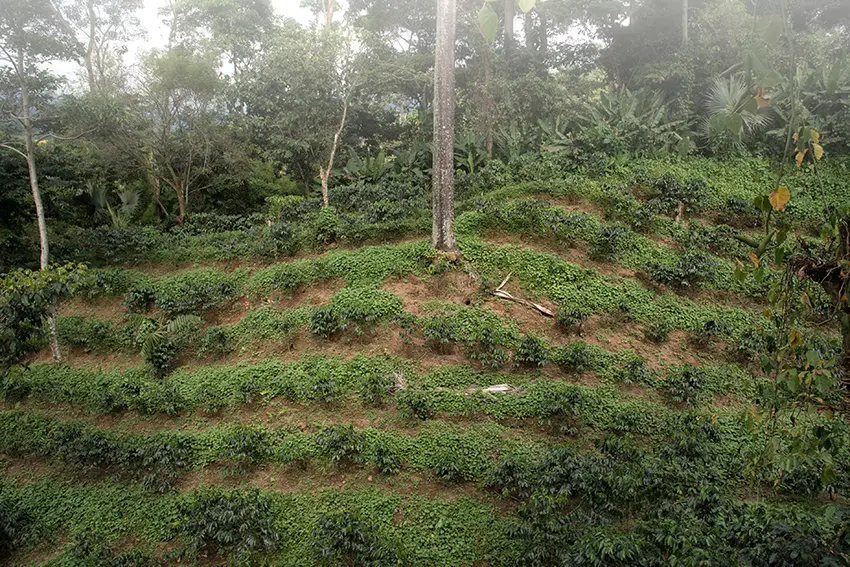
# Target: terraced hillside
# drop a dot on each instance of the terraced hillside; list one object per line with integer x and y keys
{"x": 362, "y": 401}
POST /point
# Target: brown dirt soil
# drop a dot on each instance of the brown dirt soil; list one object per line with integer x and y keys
{"x": 42, "y": 552}
{"x": 315, "y": 294}
{"x": 78, "y": 358}
{"x": 157, "y": 269}
{"x": 674, "y": 352}
{"x": 106, "y": 308}
{"x": 576, "y": 203}
{"x": 312, "y": 478}
{"x": 452, "y": 287}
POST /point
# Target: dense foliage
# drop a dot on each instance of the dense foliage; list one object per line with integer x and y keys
{"x": 637, "y": 355}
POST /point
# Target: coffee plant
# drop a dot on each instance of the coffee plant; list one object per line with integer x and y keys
{"x": 343, "y": 538}
{"x": 341, "y": 444}
{"x": 532, "y": 351}
{"x": 230, "y": 524}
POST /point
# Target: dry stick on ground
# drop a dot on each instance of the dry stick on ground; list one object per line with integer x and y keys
{"x": 500, "y": 292}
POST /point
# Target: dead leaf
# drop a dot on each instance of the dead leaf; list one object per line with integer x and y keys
{"x": 779, "y": 197}
{"x": 754, "y": 259}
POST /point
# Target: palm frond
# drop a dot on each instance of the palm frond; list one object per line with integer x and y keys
{"x": 180, "y": 325}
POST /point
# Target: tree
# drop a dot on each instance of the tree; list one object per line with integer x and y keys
{"x": 295, "y": 97}
{"x": 26, "y": 299}
{"x": 442, "y": 228}
{"x": 232, "y": 28}
{"x": 179, "y": 123}
{"x": 105, "y": 26}
{"x": 32, "y": 33}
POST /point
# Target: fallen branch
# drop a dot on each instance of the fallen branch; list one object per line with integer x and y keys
{"x": 500, "y": 292}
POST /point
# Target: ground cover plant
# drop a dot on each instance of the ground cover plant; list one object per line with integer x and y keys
{"x": 391, "y": 284}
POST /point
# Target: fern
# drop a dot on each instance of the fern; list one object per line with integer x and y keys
{"x": 180, "y": 325}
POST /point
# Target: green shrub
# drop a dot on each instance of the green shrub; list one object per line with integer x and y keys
{"x": 440, "y": 331}
{"x": 377, "y": 388}
{"x": 618, "y": 204}
{"x": 659, "y": 331}
{"x": 163, "y": 358}
{"x": 512, "y": 476}
{"x": 161, "y": 459}
{"x": 561, "y": 410}
{"x": 686, "y": 385}
{"x": 284, "y": 241}
{"x": 344, "y": 538}
{"x": 482, "y": 333}
{"x": 387, "y": 458}
{"x": 214, "y": 342}
{"x": 108, "y": 281}
{"x": 572, "y": 320}
{"x": 741, "y": 213}
{"x": 235, "y": 524}
{"x": 246, "y": 445}
{"x": 670, "y": 193}
{"x": 415, "y": 403}
{"x": 140, "y": 299}
{"x": 322, "y": 389}
{"x": 448, "y": 466}
{"x": 609, "y": 241}
{"x": 531, "y": 351}
{"x": 326, "y": 227}
{"x": 636, "y": 371}
{"x": 12, "y": 523}
{"x": 340, "y": 443}
{"x": 87, "y": 333}
{"x": 91, "y": 551}
{"x": 747, "y": 345}
{"x": 194, "y": 297}
{"x": 355, "y": 309}
{"x": 573, "y": 357}
{"x": 692, "y": 269}
{"x": 710, "y": 332}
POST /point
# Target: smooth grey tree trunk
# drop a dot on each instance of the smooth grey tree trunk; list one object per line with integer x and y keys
{"x": 325, "y": 174}
{"x": 510, "y": 16}
{"x": 26, "y": 123}
{"x": 684, "y": 22}
{"x": 442, "y": 233}
{"x": 330, "y": 8}
{"x": 90, "y": 49}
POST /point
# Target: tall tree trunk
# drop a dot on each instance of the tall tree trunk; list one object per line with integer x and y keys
{"x": 26, "y": 122}
{"x": 845, "y": 357}
{"x": 92, "y": 45}
{"x": 325, "y": 174}
{"x": 684, "y": 22}
{"x": 487, "y": 126}
{"x": 542, "y": 36}
{"x": 181, "y": 203}
{"x": 844, "y": 255}
{"x": 442, "y": 229}
{"x": 510, "y": 16}
{"x": 528, "y": 30}
{"x": 330, "y": 7}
